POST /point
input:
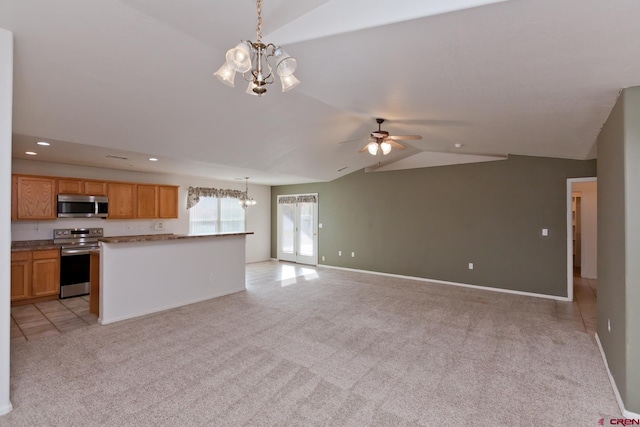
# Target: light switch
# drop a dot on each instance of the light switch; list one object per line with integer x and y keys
{"x": 320, "y": 225}
{"x": 545, "y": 232}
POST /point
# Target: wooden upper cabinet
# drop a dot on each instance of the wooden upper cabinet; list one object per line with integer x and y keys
{"x": 45, "y": 273}
{"x": 122, "y": 200}
{"x": 70, "y": 186}
{"x": 95, "y": 188}
{"x": 81, "y": 186}
{"x": 168, "y": 201}
{"x": 147, "y": 201}
{"x": 35, "y": 198}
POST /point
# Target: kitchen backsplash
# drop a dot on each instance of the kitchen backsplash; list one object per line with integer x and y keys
{"x": 41, "y": 230}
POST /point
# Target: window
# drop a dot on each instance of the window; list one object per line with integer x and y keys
{"x": 216, "y": 215}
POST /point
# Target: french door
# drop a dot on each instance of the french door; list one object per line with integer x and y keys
{"x": 298, "y": 228}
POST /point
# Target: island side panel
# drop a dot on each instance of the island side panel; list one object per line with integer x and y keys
{"x": 145, "y": 277}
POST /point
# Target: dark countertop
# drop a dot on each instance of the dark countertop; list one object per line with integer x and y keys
{"x": 161, "y": 237}
{"x": 33, "y": 245}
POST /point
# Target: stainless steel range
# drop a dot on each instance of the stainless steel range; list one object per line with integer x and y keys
{"x": 74, "y": 258}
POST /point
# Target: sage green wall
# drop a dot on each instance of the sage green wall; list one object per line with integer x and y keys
{"x": 432, "y": 222}
{"x": 619, "y": 245}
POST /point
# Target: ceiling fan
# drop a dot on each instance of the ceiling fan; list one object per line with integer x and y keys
{"x": 381, "y": 142}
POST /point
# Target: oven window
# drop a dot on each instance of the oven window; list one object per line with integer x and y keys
{"x": 74, "y": 269}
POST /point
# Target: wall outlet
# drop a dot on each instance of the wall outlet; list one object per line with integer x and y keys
{"x": 470, "y": 266}
{"x": 158, "y": 225}
{"x": 545, "y": 232}
{"x": 353, "y": 254}
{"x": 320, "y": 225}
{"x": 339, "y": 253}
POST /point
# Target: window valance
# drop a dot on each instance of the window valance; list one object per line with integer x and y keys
{"x": 303, "y": 198}
{"x": 194, "y": 194}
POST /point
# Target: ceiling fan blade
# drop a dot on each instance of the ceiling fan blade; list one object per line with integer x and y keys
{"x": 363, "y": 149}
{"x": 404, "y": 137}
{"x": 395, "y": 144}
{"x": 353, "y": 140}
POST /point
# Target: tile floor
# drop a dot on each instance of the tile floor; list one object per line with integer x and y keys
{"x": 43, "y": 319}
{"x": 583, "y": 308}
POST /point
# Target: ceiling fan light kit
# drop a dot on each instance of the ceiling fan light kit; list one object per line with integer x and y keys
{"x": 382, "y": 142}
{"x": 254, "y": 61}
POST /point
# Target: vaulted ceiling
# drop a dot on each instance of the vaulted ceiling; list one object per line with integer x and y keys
{"x": 133, "y": 78}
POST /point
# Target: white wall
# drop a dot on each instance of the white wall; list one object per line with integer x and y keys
{"x": 6, "y": 105}
{"x": 139, "y": 278}
{"x": 589, "y": 221}
{"x": 258, "y": 216}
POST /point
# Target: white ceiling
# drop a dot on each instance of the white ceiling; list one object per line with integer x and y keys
{"x": 133, "y": 78}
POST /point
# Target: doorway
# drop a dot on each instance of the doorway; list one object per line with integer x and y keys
{"x": 582, "y": 232}
{"x": 298, "y": 228}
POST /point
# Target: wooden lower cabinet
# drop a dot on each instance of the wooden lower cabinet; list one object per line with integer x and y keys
{"x": 35, "y": 274}
{"x": 94, "y": 283}
{"x": 20, "y": 275}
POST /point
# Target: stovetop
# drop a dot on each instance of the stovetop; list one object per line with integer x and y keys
{"x": 77, "y": 236}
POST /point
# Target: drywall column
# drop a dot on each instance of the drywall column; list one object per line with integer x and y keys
{"x": 6, "y": 105}
{"x": 619, "y": 245}
{"x": 632, "y": 182}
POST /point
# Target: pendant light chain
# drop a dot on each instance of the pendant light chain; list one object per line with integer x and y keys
{"x": 259, "y": 26}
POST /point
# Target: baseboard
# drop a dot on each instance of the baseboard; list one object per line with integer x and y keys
{"x": 102, "y": 321}
{"x": 6, "y": 409}
{"x": 443, "y": 282}
{"x": 625, "y": 413}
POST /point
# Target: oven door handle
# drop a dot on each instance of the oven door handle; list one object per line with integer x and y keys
{"x": 71, "y": 252}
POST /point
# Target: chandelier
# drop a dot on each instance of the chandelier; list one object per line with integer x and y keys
{"x": 246, "y": 201}
{"x": 254, "y": 61}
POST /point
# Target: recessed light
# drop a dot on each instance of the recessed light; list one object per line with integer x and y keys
{"x": 153, "y": 159}
{"x": 31, "y": 153}
{"x": 458, "y": 145}
{"x": 43, "y": 143}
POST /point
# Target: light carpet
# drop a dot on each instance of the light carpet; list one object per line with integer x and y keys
{"x": 317, "y": 346}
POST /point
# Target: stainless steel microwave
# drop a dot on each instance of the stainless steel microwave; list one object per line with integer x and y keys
{"x": 74, "y": 206}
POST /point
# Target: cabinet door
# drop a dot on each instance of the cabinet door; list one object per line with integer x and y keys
{"x": 20, "y": 275}
{"x": 122, "y": 200}
{"x": 147, "y": 201}
{"x": 70, "y": 186}
{"x": 36, "y": 198}
{"x": 45, "y": 273}
{"x": 95, "y": 188}
{"x": 14, "y": 197}
{"x": 168, "y": 201}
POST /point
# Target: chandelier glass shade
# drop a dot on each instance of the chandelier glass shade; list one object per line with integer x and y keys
{"x": 258, "y": 62}
{"x": 246, "y": 201}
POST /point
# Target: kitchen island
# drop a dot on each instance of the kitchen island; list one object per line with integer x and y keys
{"x": 145, "y": 274}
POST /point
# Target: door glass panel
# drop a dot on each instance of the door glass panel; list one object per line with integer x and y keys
{"x": 288, "y": 227}
{"x": 305, "y": 233}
